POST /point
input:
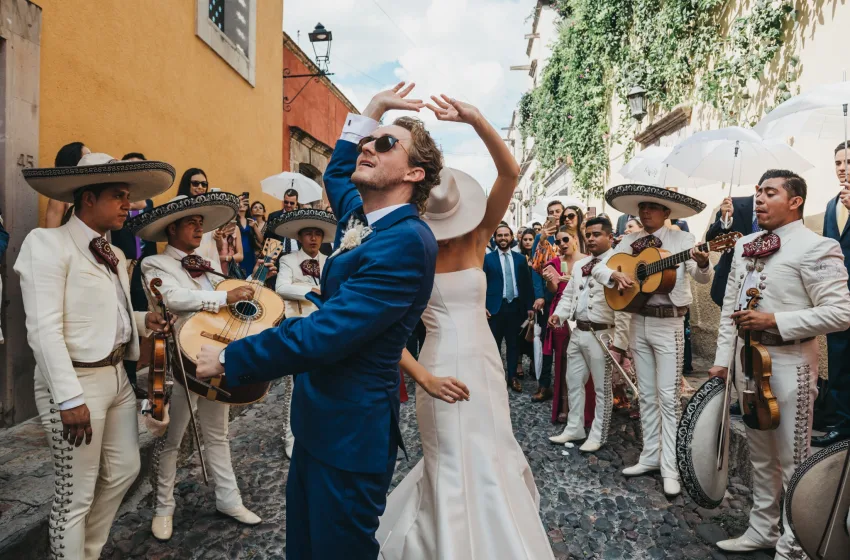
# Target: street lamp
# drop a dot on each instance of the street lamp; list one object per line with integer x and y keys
{"x": 637, "y": 102}
{"x": 322, "y": 38}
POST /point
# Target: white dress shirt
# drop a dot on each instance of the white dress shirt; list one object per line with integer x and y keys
{"x": 205, "y": 283}
{"x": 510, "y": 259}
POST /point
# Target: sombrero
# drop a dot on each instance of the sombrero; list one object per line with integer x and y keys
{"x": 627, "y": 198}
{"x": 217, "y": 208}
{"x": 455, "y": 206}
{"x": 146, "y": 179}
{"x": 289, "y": 224}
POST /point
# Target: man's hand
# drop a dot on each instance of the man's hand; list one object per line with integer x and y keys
{"x": 700, "y": 257}
{"x": 754, "y": 320}
{"x": 76, "y": 425}
{"x": 272, "y": 269}
{"x": 392, "y": 99}
{"x": 623, "y": 282}
{"x": 538, "y": 304}
{"x": 531, "y": 314}
{"x": 242, "y": 293}
{"x": 446, "y": 389}
{"x": 718, "y": 371}
{"x": 448, "y": 109}
{"x": 554, "y": 321}
{"x": 844, "y": 195}
{"x": 209, "y": 364}
{"x": 156, "y": 322}
{"x": 316, "y": 290}
{"x": 726, "y": 208}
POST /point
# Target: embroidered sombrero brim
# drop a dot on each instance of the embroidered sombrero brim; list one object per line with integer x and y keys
{"x": 627, "y": 198}
{"x": 217, "y": 208}
{"x": 146, "y": 179}
{"x": 290, "y": 223}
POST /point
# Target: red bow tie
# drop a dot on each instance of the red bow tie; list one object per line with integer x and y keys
{"x": 310, "y": 267}
{"x": 196, "y": 266}
{"x": 103, "y": 254}
{"x": 763, "y": 246}
{"x": 644, "y": 242}
{"x": 586, "y": 269}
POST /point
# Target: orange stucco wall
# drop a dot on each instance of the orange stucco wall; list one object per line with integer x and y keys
{"x": 133, "y": 76}
{"x": 317, "y": 110}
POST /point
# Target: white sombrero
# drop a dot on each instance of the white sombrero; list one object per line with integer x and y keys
{"x": 627, "y": 199}
{"x": 217, "y": 208}
{"x": 289, "y": 224}
{"x": 455, "y": 206}
{"x": 145, "y": 179}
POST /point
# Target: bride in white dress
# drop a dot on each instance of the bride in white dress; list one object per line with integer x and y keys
{"x": 472, "y": 496}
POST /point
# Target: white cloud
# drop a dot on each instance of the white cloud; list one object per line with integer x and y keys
{"x": 463, "y": 48}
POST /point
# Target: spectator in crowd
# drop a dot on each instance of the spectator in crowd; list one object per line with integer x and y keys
{"x": 573, "y": 219}
{"x": 537, "y": 227}
{"x": 289, "y": 204}
{"x": 525, "y": 347}
{"x": 194, "y": 182}
{"x": 245, "y": 224}
{"x": 69, "y": 155}
{"x": 633, "y": 225}
{"x": 526, "y": 242}
{"x": 258, "y": 214}
{"x": 509, "y": 297}
{"x": 228, "y": 241}
{"x": 835, "y": 418}
{"x": 622, "y": 221}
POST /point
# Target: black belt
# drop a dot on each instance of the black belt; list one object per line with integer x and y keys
{"x": 663, "y": 311}
{"x": 113, "y": 359}
{"x": 590, "y": 325}
{"x": 772, "y": 339}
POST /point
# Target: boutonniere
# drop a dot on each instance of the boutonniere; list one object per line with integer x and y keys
{"x": 355, "y": 232}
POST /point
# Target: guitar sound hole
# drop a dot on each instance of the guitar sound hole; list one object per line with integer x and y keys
{"x": 640, "y": 272}
{"x": 247, "y": 310}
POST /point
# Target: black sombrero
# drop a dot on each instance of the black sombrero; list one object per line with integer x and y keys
{"x": 216, "y": 207}
{"x": 289, "y": 224}
{"x": 145, "y": 179}
{"x": 627, "y": 198}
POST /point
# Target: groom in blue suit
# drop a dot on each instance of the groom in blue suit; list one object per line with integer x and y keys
{"x": 374, "y": 288}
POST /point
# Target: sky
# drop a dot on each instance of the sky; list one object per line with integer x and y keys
{"x": 463, "y": 48}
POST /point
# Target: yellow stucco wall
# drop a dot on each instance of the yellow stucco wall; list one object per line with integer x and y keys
{"x": 133, "y": 76}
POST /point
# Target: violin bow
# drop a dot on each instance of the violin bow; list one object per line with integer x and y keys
{"x": 175, "y": 354}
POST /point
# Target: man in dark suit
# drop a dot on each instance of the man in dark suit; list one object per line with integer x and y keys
{"x": 290, "y": 204}
{"x": 835, "y": 222}
{"x": 735, "y": 214}
{"x": 509, "y": 297}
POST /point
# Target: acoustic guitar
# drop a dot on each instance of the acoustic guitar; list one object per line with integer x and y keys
{"x": 654, "y": 272}
{"x": 232, "y": 322}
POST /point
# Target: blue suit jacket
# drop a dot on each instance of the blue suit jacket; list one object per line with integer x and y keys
{"x": 496, "y": 281}
{"x": 742, "y": 222}
{"x": 830, "y": 229}
{"x": 345, "y": 408}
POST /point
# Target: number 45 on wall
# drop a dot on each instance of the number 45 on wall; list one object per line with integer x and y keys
{"x": 26, "y": 160}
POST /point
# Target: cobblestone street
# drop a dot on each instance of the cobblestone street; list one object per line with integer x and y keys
{"x": 590, "y": 510}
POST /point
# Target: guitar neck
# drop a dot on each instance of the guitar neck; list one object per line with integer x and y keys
{"x": 673, "y": 260}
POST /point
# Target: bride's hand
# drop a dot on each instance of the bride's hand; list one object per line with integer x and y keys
{"x": 448, "y": 109}
{"x": 447, "y": 389}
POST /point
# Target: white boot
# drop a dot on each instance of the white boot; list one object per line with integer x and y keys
{"x": 243, "y": 515}
{"x": 161, "y": 527}
{"x": 565, "y": 436}
{"x": 639, "y": 469}
{"x": 590, "y": 446}
{"x": 742, "y": 544}
{"x": 671, "y": 487}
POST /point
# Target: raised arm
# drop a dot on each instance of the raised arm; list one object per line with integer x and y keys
{"x": 448, "y": 109}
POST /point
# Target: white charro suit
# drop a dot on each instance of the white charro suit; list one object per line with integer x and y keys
{"x": 293, "y": 285}
{"x": 658, "y": 345}
{"x": 584, "y": 299}
{"x": 72, "y": 309}
{"x": 804, "y": 284}
{"x": 184, "y": 296}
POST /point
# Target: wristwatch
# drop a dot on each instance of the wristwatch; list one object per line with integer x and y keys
{"x": 221, "y": 356}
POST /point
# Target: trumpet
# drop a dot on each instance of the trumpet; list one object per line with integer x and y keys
{"x": 611, "y": 359}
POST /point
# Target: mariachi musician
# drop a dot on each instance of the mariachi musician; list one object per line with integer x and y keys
{"x": 81, "y": 325}
{"x": 803, "y": 287}
{"x": 300, "y": 273}
{"x": 657, "y": 331}
{"x": 186, "y": 290}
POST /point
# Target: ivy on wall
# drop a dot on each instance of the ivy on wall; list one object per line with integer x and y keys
{"x": 605, "y": 47}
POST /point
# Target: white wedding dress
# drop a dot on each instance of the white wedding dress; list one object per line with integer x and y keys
{"x": 472, "y": 496}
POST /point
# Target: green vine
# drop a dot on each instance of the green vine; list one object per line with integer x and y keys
{"x": 605, "y": 47}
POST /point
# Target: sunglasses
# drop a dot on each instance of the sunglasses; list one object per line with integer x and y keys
{"x": 570, "y": 216}
{"x": 199, "y": 184}
{"x": 383, "y": 144}
{"x": 564, "y": 241}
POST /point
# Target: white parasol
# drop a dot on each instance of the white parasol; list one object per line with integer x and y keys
{"x": 276, "y": 185}
{"x": 647, "y": 167}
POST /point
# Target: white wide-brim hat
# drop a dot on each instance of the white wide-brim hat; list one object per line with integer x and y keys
{"x": 146, "y": 179}
{"x": 216, "y": 207}
{"x": 627, "y": 199}
{"x": 289, "y": 224}
{"x": 455, "y": 206}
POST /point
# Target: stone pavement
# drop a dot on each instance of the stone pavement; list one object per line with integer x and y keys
{"x": 590, "y": 510}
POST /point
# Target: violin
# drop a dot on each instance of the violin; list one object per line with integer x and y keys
{"x": 759, "y": 407}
